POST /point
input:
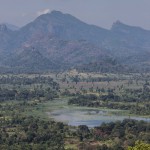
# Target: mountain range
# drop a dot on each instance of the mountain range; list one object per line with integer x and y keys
{"x": 57, "y": 41}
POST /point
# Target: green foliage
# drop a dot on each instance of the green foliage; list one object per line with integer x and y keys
{"x": 33, "y": 132}
{"x": 134, "y": 100}
{"x": 20, "y": 96}
{"x": 140, "y": 146}
{"x": 25, "y": 88}
{"x": 123, "y": 133}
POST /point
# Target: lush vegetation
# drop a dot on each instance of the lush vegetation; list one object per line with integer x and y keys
{"x": 25, "y": 125}
{"x": 140, "y": 146}
{"x": 113, "y": 101}
{"x": 130, "y": 93}
{"x": 29, "y": 133}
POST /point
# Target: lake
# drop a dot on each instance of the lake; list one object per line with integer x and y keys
{"x": 91, "y": 117}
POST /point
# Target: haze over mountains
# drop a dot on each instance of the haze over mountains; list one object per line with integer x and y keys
{"x": 57, "y": 41}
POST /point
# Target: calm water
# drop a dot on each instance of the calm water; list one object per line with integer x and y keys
{"x": 89, "y": 117}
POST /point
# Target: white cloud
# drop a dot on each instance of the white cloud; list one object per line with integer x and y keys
{"x": 41, "y": 12}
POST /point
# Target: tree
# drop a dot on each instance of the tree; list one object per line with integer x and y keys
{"x": 140, "y": 146}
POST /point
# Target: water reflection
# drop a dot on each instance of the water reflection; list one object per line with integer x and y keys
{"x": 89, "y": 117}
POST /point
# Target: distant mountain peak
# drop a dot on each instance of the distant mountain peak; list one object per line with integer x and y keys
{"x": 62, "y": 16}
{"x": 118, "y": 24}
{"x": 67, "y": 41}
{"x": 55, "y": 12}
{"x": 122, "y": 27}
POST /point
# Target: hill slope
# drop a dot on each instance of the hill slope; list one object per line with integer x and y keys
{"x": 68, "y": 42}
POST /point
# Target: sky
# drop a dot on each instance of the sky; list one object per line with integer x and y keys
{"x": 102, "y": 13}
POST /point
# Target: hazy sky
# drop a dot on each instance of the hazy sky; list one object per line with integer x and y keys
{"x": 99, "y": 12}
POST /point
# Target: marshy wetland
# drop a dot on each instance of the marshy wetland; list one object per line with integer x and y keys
{"x": 92, "y": 117}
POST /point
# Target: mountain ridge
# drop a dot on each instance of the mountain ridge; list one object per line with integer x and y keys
{"x": 66, "y": 40}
